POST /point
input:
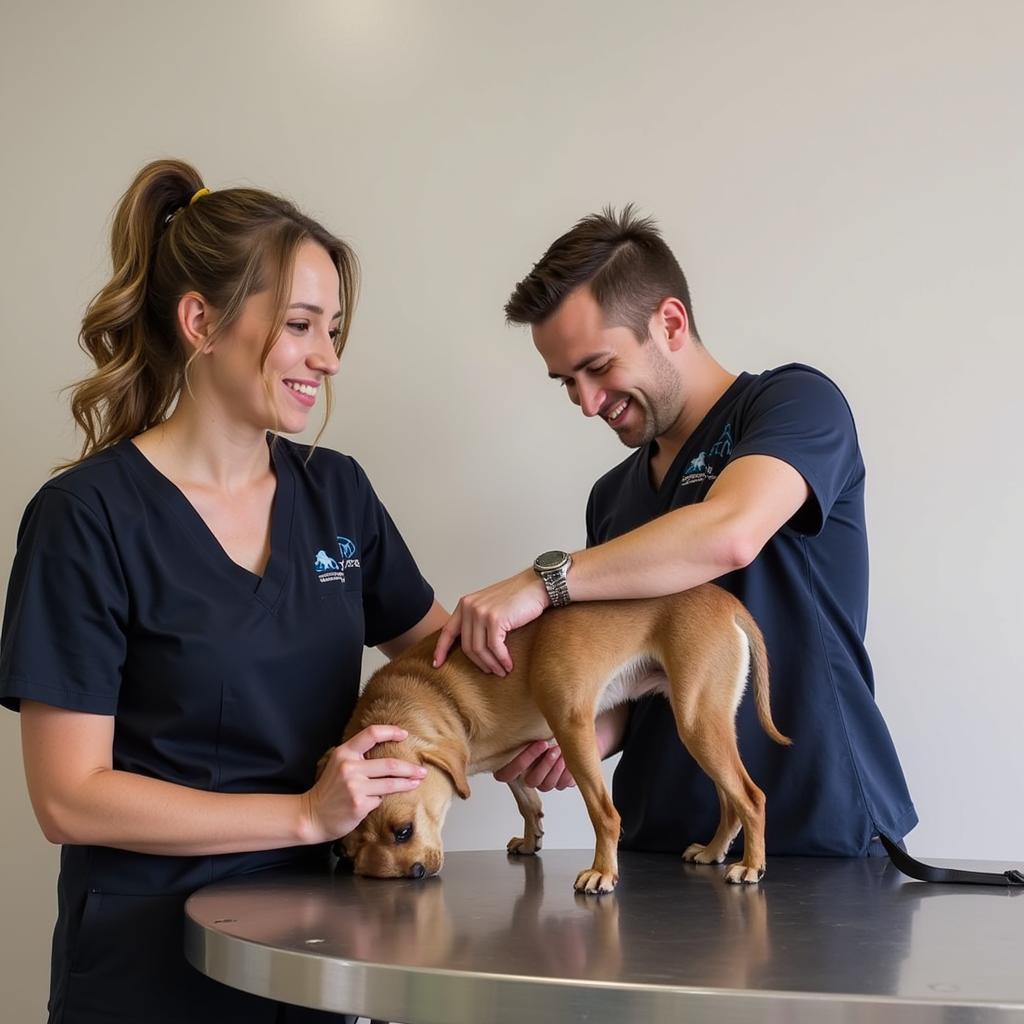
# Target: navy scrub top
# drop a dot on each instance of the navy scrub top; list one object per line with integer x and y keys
{"x": 122, "y": 602}
{"x": 841, "y": 781}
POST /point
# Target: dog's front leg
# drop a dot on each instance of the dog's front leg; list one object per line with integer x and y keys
{"x": 577, "y": 738}
{"x": 530, "y": 807}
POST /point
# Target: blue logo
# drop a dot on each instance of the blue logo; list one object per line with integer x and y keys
{"x": 324, "y": 563}
{"x": 703, "y": 468}
{"x": 329, "y": 570}
{"x": 723, "y": 446}
{"x": 697, "y": 465}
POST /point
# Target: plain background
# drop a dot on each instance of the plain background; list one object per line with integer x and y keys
{"x": 841, "y": 182}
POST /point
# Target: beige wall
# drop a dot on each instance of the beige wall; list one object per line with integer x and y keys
{"x": 842, "y": 183}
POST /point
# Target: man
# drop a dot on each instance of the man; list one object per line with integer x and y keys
{"x": 753, "y": 481}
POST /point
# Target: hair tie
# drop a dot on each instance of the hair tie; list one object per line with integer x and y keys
{"x": 196, "y": 195}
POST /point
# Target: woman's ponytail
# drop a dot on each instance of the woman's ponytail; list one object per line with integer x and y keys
{"x": 138, "y": 375}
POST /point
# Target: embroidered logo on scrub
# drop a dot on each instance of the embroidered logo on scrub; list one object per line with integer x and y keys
{"x": 329, "y": 570}
{"x": 700, "y": 470}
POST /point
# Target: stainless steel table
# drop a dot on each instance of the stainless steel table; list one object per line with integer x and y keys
{"x": 495, "y": 939}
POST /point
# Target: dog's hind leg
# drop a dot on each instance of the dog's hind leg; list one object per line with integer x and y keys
{"x": 751, "y": 804}
{"x": 713, "y": 746}
{"x": 530, "y": 807}
{"x": 728, "y": 829}
{"x": 704, "y": 693}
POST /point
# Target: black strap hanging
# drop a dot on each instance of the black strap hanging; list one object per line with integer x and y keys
{"x": 928, "y": 873}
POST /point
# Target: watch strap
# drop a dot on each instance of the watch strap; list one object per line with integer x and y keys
{"x": 556, "y": 585}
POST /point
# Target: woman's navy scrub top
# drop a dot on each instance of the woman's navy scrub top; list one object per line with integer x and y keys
{"x": 122, "y": 602}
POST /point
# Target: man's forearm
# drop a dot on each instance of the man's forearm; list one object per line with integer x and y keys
{"x": 679, "y": 550}
{"x": 611, "y": 729}
{"x": 752, "y": 499}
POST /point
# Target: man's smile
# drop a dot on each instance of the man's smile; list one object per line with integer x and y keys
{"x": 616, "y": 410}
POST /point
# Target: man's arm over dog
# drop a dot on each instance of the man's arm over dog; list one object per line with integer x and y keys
{"x": 752, "y": 499}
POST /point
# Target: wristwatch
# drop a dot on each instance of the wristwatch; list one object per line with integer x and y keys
{"x": 553, "y": 567}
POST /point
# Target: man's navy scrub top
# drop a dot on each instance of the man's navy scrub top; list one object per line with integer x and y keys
{"x": 840, "y": 782}
{"x": 122, "y": 602}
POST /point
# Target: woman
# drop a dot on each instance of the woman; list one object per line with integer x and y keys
{"x": 190, "y": 599}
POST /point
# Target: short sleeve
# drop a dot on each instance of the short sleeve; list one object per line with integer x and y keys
{"x": 800, "y": 417}
{"x": 64, "y": 627}
{"x": 395, "y": 594}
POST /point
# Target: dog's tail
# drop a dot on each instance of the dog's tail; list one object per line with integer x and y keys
{"x": 759, "y": 671}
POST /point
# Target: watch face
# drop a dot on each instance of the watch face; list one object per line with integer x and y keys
{"x": 551, "y": 560}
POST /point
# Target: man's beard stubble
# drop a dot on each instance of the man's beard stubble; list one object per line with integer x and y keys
{"x": 662, "y": 402}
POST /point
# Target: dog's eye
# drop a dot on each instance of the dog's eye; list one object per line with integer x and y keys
{"x": 403, "y": 834}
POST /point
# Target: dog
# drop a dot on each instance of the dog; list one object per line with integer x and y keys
{"x": 696, "y": 648}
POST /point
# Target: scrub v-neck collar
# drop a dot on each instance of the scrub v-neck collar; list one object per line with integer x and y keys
{"x": 266, "y": 588}
{"x": 696, "y": 437}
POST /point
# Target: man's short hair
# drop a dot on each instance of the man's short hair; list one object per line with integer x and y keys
{"x": 621, "y": 257}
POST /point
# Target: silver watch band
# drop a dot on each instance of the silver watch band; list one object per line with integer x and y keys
{"x": 553, "y": 567}
{"x": 556, "y": 585}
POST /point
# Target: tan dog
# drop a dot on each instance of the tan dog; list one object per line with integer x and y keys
{"x": 695, "y": 648}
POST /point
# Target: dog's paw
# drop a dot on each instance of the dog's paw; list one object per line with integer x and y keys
{"x": 522, "y": 847}
{"x": 740, "y": 874}
{"x": 593, "y": 881}
{"x": 698, "y": 853}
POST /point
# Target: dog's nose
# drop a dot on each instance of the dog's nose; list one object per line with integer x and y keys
{"x": 417, "y": 870}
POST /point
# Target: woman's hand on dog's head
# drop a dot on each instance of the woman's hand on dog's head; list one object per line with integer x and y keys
{"x": 350, "y": 785}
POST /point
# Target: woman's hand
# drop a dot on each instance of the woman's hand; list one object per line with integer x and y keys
{"x": 351, "y": 785}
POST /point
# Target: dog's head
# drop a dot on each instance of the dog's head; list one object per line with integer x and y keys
{"x": 401, "y": 837}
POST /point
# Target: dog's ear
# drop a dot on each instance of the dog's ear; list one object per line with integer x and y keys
{"x": 449, "y": 758}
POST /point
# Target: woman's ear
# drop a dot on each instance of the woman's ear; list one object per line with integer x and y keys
{"x": 195, "y": 318}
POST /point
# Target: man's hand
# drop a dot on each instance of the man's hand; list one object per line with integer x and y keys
{"x": 485, "y": 618}
{"x": 540, "y": 766}
{"x": 543, "y": 766}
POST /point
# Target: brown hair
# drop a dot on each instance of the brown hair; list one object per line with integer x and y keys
{"x": 227, "y": 245}
{"x": 624, "y": 260}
